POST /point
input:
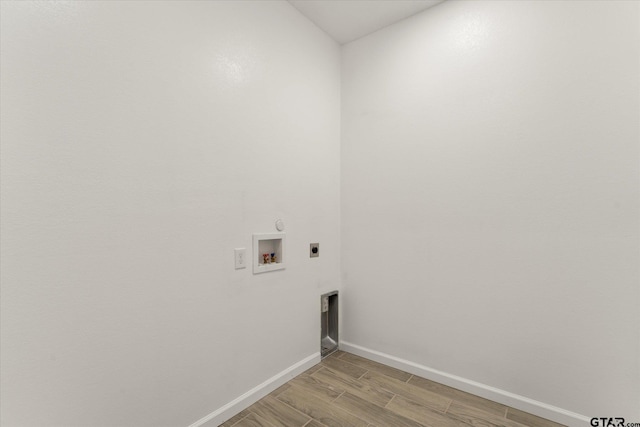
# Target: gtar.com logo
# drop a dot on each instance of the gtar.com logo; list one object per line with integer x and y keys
{"x": 611, "y": 422}
{"x": 607, "y": 422}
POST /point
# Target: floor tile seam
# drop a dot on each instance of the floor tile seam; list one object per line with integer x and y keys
{"x": 319, "y": 384}
{"x": 276, "y": 395}
{"x": 454, "y": 398}
{"x": 352, "y": 389}
{"x": 387, "y": 390}
{"x": 332, "y": 403}
{"x": 446, "y": 396}
{"x": 348, "y": 411}
{"x": 394, "y": 394}
{"x": 338, "y": 397}
{"x": 339, "y": 372}
{"x": 447, "y": 390}
{"x": 394, "y": 413}
{"x": 331, "y": 385}
{"x": 364, "y": 382}
{"x": 300, "y": 412}
{"x": 315, "y": 369}
{"x": 360, "y": 377}
{"x": 334, "y": 373}
{"x": 416, "y": 399}
{"x": 265, "y": 420}
{"x": 473, "y": 397}
{"x": 451, "y": 393}
{"x": 353, "y": 364}
{"x": 488, "y": 415}
{"x": 476, "y": 406}
{"x": 369, "y": 369}
{"x": 390, "y": 400}
{"x": 248, "y": 413}
{"x": 448, "y": 406}
{"x": 315, "y": 372}
{"x": 312, "y": 420}
{"x": 319, "y": 396}
{"x": 522, "y": 424}
{"x": 411, "y": 418}
{"x": 256, "y": 415}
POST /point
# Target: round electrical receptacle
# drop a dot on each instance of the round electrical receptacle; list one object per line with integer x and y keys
{"x": 279, "y": 225}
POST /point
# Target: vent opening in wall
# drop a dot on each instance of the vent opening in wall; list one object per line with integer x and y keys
{"x": 329, "y": 322}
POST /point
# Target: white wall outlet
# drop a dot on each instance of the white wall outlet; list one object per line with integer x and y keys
{"x": 241, "y": 258}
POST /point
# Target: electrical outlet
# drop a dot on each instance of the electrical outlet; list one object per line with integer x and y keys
{"x": 241, "y": 258}
{"x": 314, "y": 250}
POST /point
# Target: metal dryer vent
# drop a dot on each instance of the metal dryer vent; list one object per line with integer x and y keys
{"x": 329, "y": 322}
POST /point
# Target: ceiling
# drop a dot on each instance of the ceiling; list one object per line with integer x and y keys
{"x": 347, "y": 20}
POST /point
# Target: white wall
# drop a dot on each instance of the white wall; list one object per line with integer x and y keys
{"x": 490, "y": 201}
{"x": 141, "y": 143}
{"x": 490, "y": 209}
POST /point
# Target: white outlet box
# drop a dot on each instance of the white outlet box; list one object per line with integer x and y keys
{"x": 268, "y": 252}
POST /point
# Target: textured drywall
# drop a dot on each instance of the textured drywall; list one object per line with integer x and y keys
{"x": 490, "y": 220}
{"x": 141, "y": 143}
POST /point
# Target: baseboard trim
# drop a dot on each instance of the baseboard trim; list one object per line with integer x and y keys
{"x": 522, "y": 403}
{"x": 222, "y": 414}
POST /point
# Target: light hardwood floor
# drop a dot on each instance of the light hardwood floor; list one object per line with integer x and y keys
{"x": 348, "y": 390}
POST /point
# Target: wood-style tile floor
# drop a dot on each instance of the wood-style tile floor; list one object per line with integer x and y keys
{"x": 348, "y": 390}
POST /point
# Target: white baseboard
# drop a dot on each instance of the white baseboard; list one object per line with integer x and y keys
{"x": 222, "y": 414}
{"x": 522, "y": 403}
